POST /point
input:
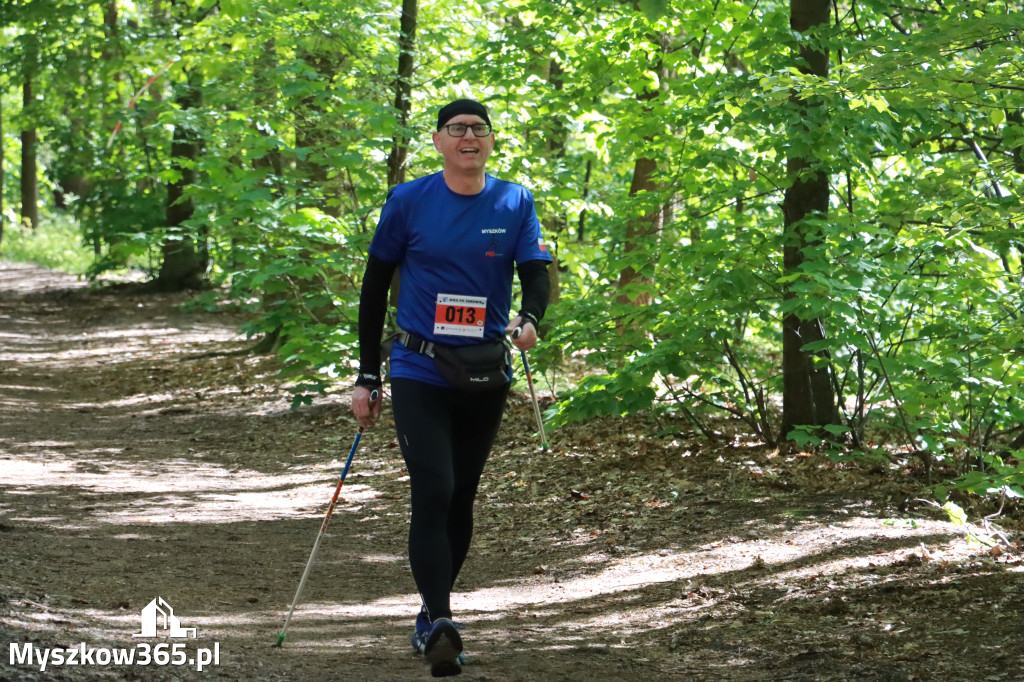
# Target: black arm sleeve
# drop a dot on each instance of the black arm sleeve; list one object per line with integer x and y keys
{"x": 373, "y": 306}
{"x": 533, "y": 277}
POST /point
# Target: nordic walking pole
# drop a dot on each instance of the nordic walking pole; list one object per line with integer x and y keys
{"x": 323, "y": 527}
{"x": 533, "y": 394}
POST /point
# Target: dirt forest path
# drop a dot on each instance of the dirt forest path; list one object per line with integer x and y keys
{"x": 135, "y": 463}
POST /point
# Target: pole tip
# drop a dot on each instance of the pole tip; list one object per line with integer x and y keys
{"x": 280, "y": 640}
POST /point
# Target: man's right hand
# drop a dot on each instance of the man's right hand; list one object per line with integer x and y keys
{"x": 366, "y": 404}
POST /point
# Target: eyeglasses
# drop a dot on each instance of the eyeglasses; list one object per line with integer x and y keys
{"x": 459, "y": 129}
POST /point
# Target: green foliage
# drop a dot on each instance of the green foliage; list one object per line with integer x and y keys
{"x": 55, "y": 244}
{"x": 915, "y": 272}
{"x": 919, "y": 292}
{"x": 993, "y": 477}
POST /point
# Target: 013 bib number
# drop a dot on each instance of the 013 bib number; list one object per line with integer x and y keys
{"x": 457, "y": 315}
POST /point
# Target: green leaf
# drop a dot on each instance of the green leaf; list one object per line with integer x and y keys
{"x": 654, "y": 9}
{"x": 957, "y": 516}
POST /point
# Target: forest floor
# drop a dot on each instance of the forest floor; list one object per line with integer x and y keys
{"x": 135, "y": 463}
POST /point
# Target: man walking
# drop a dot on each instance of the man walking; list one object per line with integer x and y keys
{"x": 456, "y": 237}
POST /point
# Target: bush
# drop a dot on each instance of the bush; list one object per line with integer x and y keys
{"x": 57, "y": 243}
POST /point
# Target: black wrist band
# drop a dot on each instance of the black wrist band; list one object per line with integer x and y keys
{"x": 529, "y": 318}
{"x": 369, "y": 380}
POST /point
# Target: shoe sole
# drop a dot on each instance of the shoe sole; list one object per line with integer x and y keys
{"x": 443, "y": 648}
{"x": 445, "y": 669}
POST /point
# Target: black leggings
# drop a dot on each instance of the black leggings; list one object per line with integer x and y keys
{"x": 446, "y": 437}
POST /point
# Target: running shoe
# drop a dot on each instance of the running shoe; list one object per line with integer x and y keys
{"x": 443, "y": 647}
{"x": 422, "y": 632}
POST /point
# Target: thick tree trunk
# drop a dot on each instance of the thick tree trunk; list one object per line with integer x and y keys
{"x": 807, "y": 394}
{"x": 403, "y": 91}
{"x": 640, "y": 230}
{"x": 185, "y": 256}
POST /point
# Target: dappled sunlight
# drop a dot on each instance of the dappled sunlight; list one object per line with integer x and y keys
{"x": 173, "y": 491}
{"x": 136, "y": 405}
{"x": 225, "y": 507}
{"x": 615, "y": 604}
{"x": 112, "y": 339}
{"x": 112, "y": 345}
{"x": 29, "y": 389}
{"x": 30, "y": 400}
{"x": 383, "y": 559}
{"x": 813, "y": 550}
{"x": 130, "y": 469}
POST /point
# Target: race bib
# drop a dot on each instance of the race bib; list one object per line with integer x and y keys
{"x": 460, "y": 315}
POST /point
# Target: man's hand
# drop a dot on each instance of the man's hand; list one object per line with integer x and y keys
{"x": 366, "y": 405}
{"x": 527, "y": 337}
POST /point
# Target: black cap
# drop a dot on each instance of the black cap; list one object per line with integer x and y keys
{"x": 462, "y": 106}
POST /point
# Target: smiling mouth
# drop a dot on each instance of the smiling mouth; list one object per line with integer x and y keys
{"x": 469, "y": 150}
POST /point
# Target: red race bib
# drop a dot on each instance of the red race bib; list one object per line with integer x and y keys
{"x": 457, "y": 315}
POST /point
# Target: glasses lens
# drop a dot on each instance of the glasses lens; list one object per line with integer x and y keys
{"x": 459, "y": 129}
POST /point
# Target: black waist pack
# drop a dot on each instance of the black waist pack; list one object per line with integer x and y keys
{"x": 473, "y": 369}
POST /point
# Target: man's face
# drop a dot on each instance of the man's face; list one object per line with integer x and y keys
{"x": 468, "y": 153}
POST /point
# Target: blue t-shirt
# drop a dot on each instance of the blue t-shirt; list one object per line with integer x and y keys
{"x": 456, "y": 256}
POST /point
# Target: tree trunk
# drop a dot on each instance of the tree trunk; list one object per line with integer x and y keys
{"x": 1015, "y": 118}
{"x": 185, "y": 256}
{"x": 270, "y": 170}
{"x": 640, "y": 229}
{"x": 266, "y": 94}
{"x": 315, "y": 133}
{"x": 807, "y": 394}
{"x": 2, "y": 218}
{"x": 403, "y": 104}
{"x": 29, "y": 142}
{"x": 581, "y": 227}
{"x": 556, "y": 223}
{"x": 403, "y": 91}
